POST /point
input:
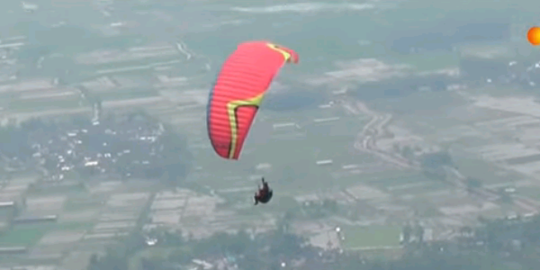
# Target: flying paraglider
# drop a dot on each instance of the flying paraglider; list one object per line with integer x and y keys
{"x": 264, "y": 194}
{"x": 238, "y": 91}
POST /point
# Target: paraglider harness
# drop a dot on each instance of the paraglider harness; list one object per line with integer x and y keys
{"x": 264, "y": 194}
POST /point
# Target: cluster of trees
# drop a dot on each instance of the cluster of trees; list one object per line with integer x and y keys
{"x": 15, "y": 141}
{"x": 519, "y": 71}
{"x": 474, "y": 70}
{"x": 251, "y": 252}
{"x": 437, "y": 166}
{"x": 434, "y": 165}
{"x": 503, "y": 244}
{"x": 167, "y": 158}
{"x": 497, "y": 245}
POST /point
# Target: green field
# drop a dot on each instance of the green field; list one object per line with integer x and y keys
{"x": 431, "y": 186}
{"x": 32, "y": 105}
{"x": 76, "y": 204}
{"x": 115, "y": 95}
{"x": 293, "y": 159}
{"x": 370, "y": 236}
{"x": 75, "y": 190}
{"x": 154, "y": 252}
{"x": 400, "y": 178}
{"x": 428, "y": 61}
{"x": 21, "y": 236}
{"x": 486, "y": 172}
{"x": 532, "y": 192}
{"x": 29, "y": 234}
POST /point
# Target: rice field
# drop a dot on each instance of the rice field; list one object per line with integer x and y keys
{"x": 292, "y": 152}
{"x": 127, "y": 94}
{"x": 532, "y": 192}
{"x": 21, "y": 236}
{"x": 399, "y": 178}
{"x": 488, "y": 173}
{"x": 374, "y": 236}
{"x": 30, "y": 234}
{"x": 81, "y": 203}
{"x": 43, "y": 104}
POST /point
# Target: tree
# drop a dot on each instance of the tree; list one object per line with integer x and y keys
{"x": 473, "y": 183}
{"x": 436, "y": 160}
{"x": 433, "y": 164}
{"x": 330, "y": 206}
{"x": 284, "y": 244}
{"x": 407, "y": 232}
{"x": 176, "y": 160}
{"x": 113, "y": 260}
{"x": 407, "y": 152}
{"x": 94, "y": 262}
{"x": 182, "y": 255}
{"x": 419, "y": 233}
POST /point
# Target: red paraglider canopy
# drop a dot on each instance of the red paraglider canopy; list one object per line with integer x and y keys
{"x": 238, "y": 91}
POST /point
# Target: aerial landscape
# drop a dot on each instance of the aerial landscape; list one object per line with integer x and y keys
{"x": 406, "y": 137}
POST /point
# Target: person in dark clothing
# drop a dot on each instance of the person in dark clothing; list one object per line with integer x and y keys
{"x": 264, "y": 194}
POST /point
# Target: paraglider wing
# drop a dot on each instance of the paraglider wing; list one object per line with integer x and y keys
{"x": 238, "y": 92}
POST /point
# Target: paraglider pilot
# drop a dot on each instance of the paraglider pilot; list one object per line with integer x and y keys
{"x": 264, "y": 194}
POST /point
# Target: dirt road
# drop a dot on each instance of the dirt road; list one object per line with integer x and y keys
{"x": 366, "y": 140}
